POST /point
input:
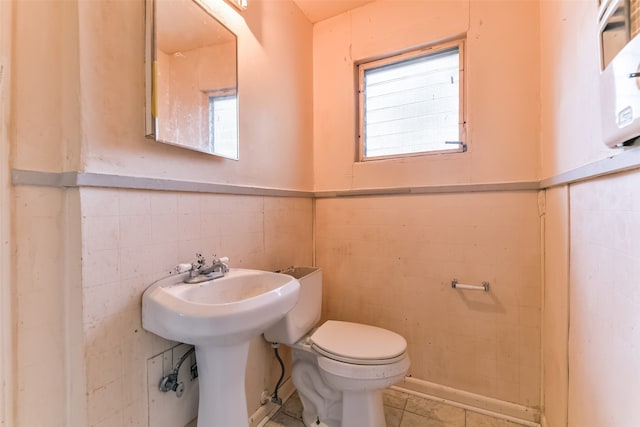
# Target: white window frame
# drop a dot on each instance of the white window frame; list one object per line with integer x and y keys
{"x": 213, "y": 95}
{"x": 461, "y": 145}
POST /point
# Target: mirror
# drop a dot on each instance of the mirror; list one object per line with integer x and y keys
{"x": 618, "y": 26}
{"x": 192, "y": 87}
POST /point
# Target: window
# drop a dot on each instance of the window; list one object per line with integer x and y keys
{"x": 223, "y": 125}
{"x": 411, "y": 104}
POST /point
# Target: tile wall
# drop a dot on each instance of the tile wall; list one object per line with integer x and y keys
{"x": 131, "y": 238}
{"x": 386, "y": 261}
{"x": 389, "y": 261}
{"x": 40, "y": 305}
{"x": 555, "y": 310}
{"x": 604, "y": 297}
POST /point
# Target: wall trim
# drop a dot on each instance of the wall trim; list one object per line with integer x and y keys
{"x": 474, "y": 402}
{"x": 432, "y": 189}
{"x": 88, "y": 179}
{"x": 627, "y": 160}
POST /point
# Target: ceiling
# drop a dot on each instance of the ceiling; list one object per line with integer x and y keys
{"x": 185, "y": 26}
{"x": 182, "y": 26}
{"x": 317, "y": 10}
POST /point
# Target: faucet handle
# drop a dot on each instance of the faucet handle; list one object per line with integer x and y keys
{"x": 199, "y": 264}
{"x": 216, "y": 260}
{"x": 224, "y": 262}
{"x": 200, "y": 259}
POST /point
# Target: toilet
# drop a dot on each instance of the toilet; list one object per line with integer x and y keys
{"x": 339, "y": 368}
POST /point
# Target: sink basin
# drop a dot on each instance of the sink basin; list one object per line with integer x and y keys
{"x": 233, "y": 308}
{"x": 219, "y": 317}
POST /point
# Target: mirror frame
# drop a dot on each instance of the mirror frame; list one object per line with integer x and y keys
{"x": 151, "y": 80}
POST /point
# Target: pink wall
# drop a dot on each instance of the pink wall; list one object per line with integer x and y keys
{"x": 532, "y": 102}
{"x": 389, "y": 260}
{"x": 589, "y": 326}
{"x": 571, "y": 130}
{"x": 130, "y": 239}
{"x": 45, "y": 105}
{"x": 274, "y": 77}
{"x": 6, "y": 294}
{"x": 604, "y": 332}
{"x": 77, "y": 88}
{"x": 502, "y": 69}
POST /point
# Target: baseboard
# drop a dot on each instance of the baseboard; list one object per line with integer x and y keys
{"x": 471, "y": 401}
{"x": 543, "y": 421}
{"x": 260, "y": 417}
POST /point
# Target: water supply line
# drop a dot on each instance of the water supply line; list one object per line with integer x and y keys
{"x": 274, "y": 397}
{"x": 170, "y": 382}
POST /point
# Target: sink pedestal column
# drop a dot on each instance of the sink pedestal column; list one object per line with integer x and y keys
{"x": 221, "y": 372}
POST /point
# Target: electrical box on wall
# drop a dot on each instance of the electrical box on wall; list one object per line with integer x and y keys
{"x": 619, "y": 33}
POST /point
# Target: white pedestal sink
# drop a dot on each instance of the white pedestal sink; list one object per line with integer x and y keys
{"x": 219, "y": 317}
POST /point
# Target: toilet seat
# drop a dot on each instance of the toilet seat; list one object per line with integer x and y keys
{"x": 358, "y": 344}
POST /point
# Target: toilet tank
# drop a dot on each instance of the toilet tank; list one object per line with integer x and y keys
{"x": 306, "y": 313}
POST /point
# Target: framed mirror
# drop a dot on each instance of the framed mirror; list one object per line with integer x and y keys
{"x": 192, "y": 83}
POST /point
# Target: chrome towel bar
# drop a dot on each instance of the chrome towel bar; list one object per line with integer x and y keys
{"x": 484, "y": 287}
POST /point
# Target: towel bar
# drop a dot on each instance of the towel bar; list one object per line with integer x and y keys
{"x": 484, "y": 287}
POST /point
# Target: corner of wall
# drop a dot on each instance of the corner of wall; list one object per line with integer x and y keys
{"x": 555, "y": 309}
{"x": 75, "y": 360}
{"x": 47, "y": 132}
{"x": 6, "y": 290}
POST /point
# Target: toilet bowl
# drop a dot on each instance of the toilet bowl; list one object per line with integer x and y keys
{"x": 339, "y": 368}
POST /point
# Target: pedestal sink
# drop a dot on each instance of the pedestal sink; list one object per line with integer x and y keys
{"x": 219, "y": 317}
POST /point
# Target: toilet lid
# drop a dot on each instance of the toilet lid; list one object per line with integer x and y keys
{"x": 357, "y": 343}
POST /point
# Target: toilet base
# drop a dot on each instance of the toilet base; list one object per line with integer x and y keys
{"x": 362, "y": 409}
{"x": 319, "y": 401}
{"x": 337, "y": 401}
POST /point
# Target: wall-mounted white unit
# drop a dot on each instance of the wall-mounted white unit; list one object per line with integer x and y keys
{"x": 619, "y": 31}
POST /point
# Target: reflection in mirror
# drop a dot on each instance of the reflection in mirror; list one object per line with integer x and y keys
{"x": 192, "y": 100}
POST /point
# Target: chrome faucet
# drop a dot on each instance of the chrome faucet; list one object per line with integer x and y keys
{"x": 220, "y": 265}
{"x": 199, "y": 273}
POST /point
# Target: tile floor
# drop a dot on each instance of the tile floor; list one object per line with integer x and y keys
{"x": 401, "y": 410}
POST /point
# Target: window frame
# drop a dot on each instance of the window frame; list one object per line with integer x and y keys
{"x": 212, "y": 97}
{"x": 397, "y": 58}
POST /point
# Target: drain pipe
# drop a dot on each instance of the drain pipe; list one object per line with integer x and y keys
{"x": 170, "y": 382}
{"x": 274, "y": 397}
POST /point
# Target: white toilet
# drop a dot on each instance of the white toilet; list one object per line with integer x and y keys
{"x": 340, "y": 368}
